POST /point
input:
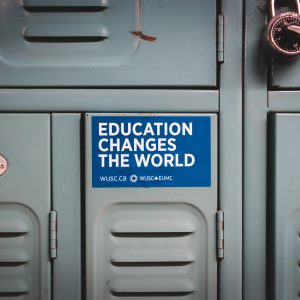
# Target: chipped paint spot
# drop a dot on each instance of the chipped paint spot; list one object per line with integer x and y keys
{"x": 261, "y": 6}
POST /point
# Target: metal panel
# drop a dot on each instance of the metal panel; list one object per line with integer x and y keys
{"x": 285, "y": 73}
{"x": 157, "y": 242}
{"x": 109, "y": 100}
{"x": 285, "y": 205}
{"x": 66, "y": 191}
{"x": 284, "y": 101}
{"x": 108, "y": 43}
{"x": 24, "y": 207}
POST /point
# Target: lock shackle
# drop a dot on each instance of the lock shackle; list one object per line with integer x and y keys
{"x": 272, "y": 10}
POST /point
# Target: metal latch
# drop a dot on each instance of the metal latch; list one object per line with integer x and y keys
{"x": 53, "y": 234}
{"x": 220, "y": 38}
{"x": 220, "y": 234}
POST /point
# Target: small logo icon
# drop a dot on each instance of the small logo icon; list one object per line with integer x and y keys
{"x": 133, "y": 178}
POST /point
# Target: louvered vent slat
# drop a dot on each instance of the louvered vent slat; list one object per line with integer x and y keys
{"x": 152, "y": 287}
{"x": 13, "y": 287}
{"x": 155, "y": 254}
{"x": 13, "y": 257}
{"x": 12, "y": 227}
{"x": 157, "y": 225}
{"x": 66, "y": 33}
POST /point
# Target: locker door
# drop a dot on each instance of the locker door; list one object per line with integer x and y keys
{"x": 24, "y": 207}
{"x": 108, "y": 43}
{"x": 150, "y": 232}
{"x": 285, "y": 206}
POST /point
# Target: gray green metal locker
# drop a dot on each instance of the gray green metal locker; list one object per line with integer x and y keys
{"x": 63, "y": 62}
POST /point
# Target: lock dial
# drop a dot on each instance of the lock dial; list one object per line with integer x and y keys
{"x": 284, "y": 34}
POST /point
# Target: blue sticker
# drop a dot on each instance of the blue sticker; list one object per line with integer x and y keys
{"x": 151, "y": 151}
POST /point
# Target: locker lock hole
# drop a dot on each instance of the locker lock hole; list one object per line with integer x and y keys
{"x": 3, "y": 165}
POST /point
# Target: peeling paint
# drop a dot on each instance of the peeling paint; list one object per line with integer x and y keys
{"x": 144, "y": 37}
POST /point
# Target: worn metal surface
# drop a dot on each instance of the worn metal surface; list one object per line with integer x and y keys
{"x": 108, "y": 43}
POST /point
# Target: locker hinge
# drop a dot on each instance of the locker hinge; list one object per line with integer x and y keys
{"x": 220, "y": 234}
{"x": 220, "y": 39}
{"x": 53, "y": 234}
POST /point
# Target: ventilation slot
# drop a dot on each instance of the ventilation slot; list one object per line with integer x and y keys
{"x": 66, "y": 33}
{"x": 12, "y": 294}
{"x": 65, "y": 3}
{"x": 151, "y": 263}
{"x": 11, "y": 234}
{"x": 64, "y": 9}
{"x": 65, "y": 39}
{"x": 150, "y": 234}
{"x": 12, "y": 263}
{"x": 151, "y": 294}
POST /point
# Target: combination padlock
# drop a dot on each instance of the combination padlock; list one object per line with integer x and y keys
{"x": 282, "y": 34}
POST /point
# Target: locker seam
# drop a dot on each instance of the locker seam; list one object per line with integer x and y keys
{"x": 51, "y": 199}
{"x": 83, "y": 210}
{"x": 244, "y": 32}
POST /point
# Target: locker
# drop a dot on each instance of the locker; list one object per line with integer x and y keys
{"x": 66, "y": 63}
{"x": 24, "y": 207}
{"x": 150, "y": 242}
{"x": 108, "y": 43}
